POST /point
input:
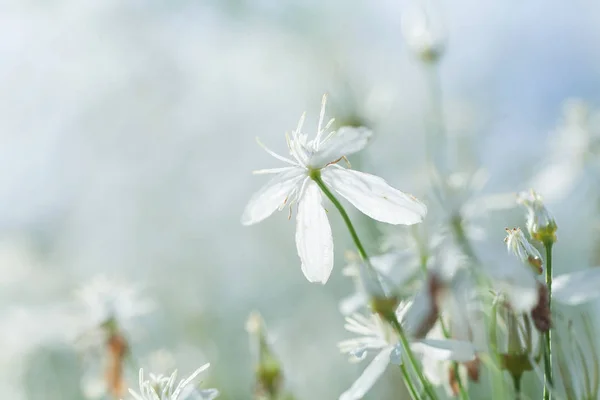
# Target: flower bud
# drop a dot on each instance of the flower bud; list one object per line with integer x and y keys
{"x": 269, "y": 373}
{"x": 540, "y": 223}
{"x": 424, "y": 32}
{"x": 517, "y": 244}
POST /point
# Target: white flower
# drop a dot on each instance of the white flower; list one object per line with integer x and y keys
{"x": 577, "y": 287}
{"x": 370, "y": 194}
{"x": 571, "y": 165}
{"x": 424, "y": 31}
{"x": 160, "y": 387}
{"x": 377, "y": 336}
{"x": 517, "y": 244}
{"x": 104, "y": 300}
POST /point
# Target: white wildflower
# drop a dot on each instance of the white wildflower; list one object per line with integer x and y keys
{"x": 424, "y": 31}
{"x": 159, "y": 387}
{"x": 375, "y": 336}
{"x": 295, "y": 184}
{"x": 571, "y": 166}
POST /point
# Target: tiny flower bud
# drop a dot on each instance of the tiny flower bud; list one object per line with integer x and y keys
{"x": 424, "y": 32}
{"x": 269, "y": 374}
{"x": 540, "y": 223}
{"x": 517, "y": 244}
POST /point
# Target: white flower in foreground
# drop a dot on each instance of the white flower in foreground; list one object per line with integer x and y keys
{"x": 295, "y": 184}
{"x": 160, "y": 387}
{"x": 377, "y": 336}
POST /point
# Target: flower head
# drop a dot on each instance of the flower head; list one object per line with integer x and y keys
{"x": 517, "y": 244}
{"x": 540, "y": 223}
{"x": 315, "y": 161}
{"x": 374, "y": 335}
{"x": 159, "y": 387}
{"x": 424, "y": 32}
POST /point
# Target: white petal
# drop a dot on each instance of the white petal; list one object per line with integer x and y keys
{"x": 577, "y": 287}
{"x": 374, "y": 197}
{"x": 369, "y": 376}
{"x": 313, "y": 236}
{"x": 271, "y": 196}
{"x": 353, "y": 303}
{"x": 347, "y": 140}
{"x": 445, "y": 349}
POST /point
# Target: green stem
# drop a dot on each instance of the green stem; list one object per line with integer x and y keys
{"x": 412, "y": 360}
{"x": 409, "y": 384}
{"x": 517, "y": 385}
{"x": 547, "y": 336}
{"x": 316, "y": 176}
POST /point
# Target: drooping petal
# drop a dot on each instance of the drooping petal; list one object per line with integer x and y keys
{"x": 271, "y": 196}
{"x": 445, "y": 349}
{"x": 374, "y": 197}
{"x": 345, "y": 141}
{"x": 313, "y": 236}
{"x": 369, "y": 376}
{"x": 577, "y": 287}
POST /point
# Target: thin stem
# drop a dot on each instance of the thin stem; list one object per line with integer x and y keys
{"x": 411, "y": 358}
{"x": 409, "y": 384}
{"x": 316, "y": 176}
{"x": 547, "y": 336}
{"x": 517, "y": 385}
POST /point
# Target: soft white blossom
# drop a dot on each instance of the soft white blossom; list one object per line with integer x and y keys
{"x": 571, "y": 164}
{"x": 160, "y": 387}
{"x": 295, "y": 184}
{"x": 375, "y": 336}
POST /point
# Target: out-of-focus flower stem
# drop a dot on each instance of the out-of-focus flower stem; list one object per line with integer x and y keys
{"x": 464, "y": 395}
{"x": 409, "y": 384}
{"x": 316, "y": 176}
{"x": 548, "y": 337}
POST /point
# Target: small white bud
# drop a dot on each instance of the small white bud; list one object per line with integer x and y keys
{"x": 540, "y": 223}
{"x": 424, "y": 31}
{"x": 517, "y": 244}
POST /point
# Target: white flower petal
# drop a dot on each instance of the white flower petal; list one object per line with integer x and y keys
{"x": 374, "y": 197}
{"x": 577, "y": 287}
{"x": 313, "y": 236}
{"x": 271, "y": 196}
{"x": 347, "y": 140}
{"x": 369, "y": 376}
{"x": 445, "y": 349}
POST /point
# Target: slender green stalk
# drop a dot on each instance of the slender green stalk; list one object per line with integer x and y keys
{"x": 548, "y": 337}
{"x": 411, "y": 358}
{"x": 316, "y": 176}
{"x": 517, "y": 385}
{"x": 409, "y": 384}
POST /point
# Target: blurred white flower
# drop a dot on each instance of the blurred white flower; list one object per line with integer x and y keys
{"x": 424, "y": 31}
{"x": 572, "y": 162}
{"x": 462, "y": 202}
{"x": 370, "y": 194}
{"x": 377, "y": 336}
{"x": 577, "y": 288}
{"x": 103, "y": 301}
{"x": 517, "y": 244}
{"x": 160, "y": 387}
